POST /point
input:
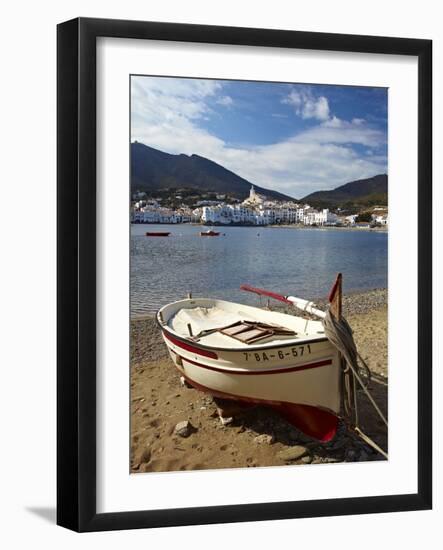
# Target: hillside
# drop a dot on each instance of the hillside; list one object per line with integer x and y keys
{"x": 364, "y": 192}
{"x": 153, "y": 170}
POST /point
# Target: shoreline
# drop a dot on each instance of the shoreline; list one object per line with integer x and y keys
{"x": 259, "y": 437}
{"x": 330, "y": 227}
{"x": 354, "y": 301}
{"x": 382, "y": 229}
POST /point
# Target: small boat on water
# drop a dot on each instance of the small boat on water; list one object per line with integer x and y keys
{"x": 209, "y": 233}
{"x": 252, "y": 355}
{"x": 157, "y": 233}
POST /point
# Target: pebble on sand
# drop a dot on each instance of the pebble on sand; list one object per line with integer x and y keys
{"x": 184, "y": 428}
{"x": 293, "y": 453}
{"x": 264, "y": 438}
{"x": 184, "y": 383}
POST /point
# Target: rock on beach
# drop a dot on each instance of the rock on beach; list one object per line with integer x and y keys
{"x": 184, "y": 429}
{"x": 293, "y": 453}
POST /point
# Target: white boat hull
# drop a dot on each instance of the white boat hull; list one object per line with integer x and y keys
{"x": 300, "y": 377}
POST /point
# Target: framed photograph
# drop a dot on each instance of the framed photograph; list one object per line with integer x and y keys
{"x": 244, "y": 274}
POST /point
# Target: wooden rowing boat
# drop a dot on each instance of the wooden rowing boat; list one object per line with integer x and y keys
{"x": 157, "y": 233}
{"x": 244, "y": 353}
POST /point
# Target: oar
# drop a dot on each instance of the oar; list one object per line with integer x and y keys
{"x": 335, "y": 297}
{"x": 299, "y": 303}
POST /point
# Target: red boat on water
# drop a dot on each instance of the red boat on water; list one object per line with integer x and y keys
{"x": 209, "y": 233}
{"x": 157, "y": 234}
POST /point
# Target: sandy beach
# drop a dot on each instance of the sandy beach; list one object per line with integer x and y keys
{"x": 257, "y": 437}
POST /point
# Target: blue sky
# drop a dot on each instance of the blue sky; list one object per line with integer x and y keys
{"x": 294, "y": 138}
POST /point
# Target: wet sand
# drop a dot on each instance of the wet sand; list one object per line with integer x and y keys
{"x": 257, "y": 437}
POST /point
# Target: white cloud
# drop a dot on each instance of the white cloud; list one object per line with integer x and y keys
{"x": 166, "y": 115}
{"x": 333, "y": 122}
{"x": 168, "y": 99}
{"x": 306, "y": 105}
{"x": 298, "y": 167}
{"x": 225, "y": 100}
{"x": 340, "y": 131}
{"x": 165, "y": 112}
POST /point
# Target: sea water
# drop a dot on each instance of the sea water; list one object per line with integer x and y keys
{"x": 301, "y": 262}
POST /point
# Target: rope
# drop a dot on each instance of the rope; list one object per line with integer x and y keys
{"x": 339, "y": 333}
{"x": 341, "y": 336}
{"x": 370, "y": 442}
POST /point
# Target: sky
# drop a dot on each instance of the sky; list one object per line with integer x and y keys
{"x": 289, "y": 137}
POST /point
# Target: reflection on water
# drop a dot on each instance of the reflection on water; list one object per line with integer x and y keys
{"x": 301, "y": 262}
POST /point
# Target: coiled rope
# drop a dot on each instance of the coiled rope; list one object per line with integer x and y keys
{"x": 339, "y": 333}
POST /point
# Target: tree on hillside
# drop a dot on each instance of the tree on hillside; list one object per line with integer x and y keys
{"x": 364, "y": 217}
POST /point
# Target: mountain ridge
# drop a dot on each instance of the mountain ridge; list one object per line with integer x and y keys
{"x": 155, "y": 170}
{"x": 152, "y": 169}
{"x": 364, "y": 192}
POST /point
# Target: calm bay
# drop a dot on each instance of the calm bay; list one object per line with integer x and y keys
{"x": 288, "y": 260}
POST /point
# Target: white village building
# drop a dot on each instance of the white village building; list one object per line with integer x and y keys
{"x": 324, "y": 217}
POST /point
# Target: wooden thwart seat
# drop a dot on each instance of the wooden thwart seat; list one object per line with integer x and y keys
{"x": 249, "y": 332}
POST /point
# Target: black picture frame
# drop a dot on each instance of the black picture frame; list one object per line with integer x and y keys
{"x": 76, "y": 265}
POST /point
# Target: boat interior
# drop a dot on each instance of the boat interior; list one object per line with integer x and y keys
{"x": 217, "y": 323}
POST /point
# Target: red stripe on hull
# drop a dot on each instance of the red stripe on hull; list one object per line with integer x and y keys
{"x": 188, "y": 347}
{"x": 312, "y": 421}
{"x": 306, "y": 366}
